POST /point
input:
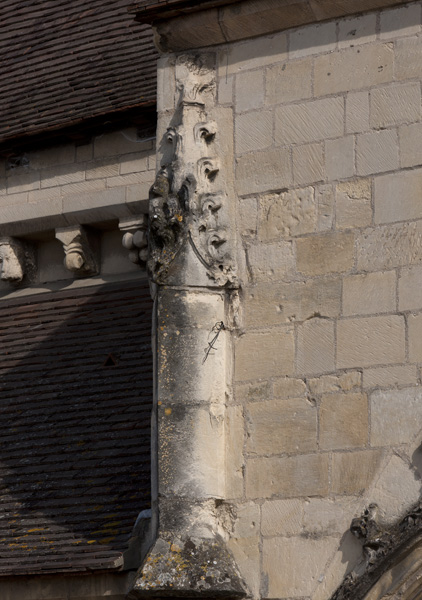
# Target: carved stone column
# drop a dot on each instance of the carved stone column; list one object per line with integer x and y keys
{"x": 191, "y": 262}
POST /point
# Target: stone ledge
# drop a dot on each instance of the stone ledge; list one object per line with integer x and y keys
{"x": 193, "y": 568}
{"x": 250, "y": 18}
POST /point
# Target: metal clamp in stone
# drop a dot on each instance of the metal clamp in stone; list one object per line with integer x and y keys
{"x": 17, "y": 260}
{"x": 135, "y": 238}
{"x": 80, "y": 253}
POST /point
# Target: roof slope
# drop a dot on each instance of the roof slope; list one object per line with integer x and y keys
{"x": 65, "y": 61}
{"x": 74, "y": 427}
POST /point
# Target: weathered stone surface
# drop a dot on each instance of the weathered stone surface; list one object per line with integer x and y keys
{"x": 325, "y": 253}
{"x": 410, "y": 288}
{"x": 343, "y": 421}
{"x": 390, "y": 246}
{"x": 281, "y": 426}
{"x": 267, "y": 304}
{"x": 340, "y": 158}
{"x": 312, "y": 40}
{"x": 258, "y": 52}
{"x": 310, "y": 121}
{"x": 357, "y": 30}
{"x": 353, "y": 69}
{"x": 408, "y": 58}
{"x": 246, "y": 553}
{"x": 353, "y": 204}
{"x": 235, "y": 434}
{"x": 308, "y": 163}
{"x": 397, "y": 197}
{"x": 294, "y": 565}
{"x": 384, "y": 377}
{"x": 357, "y": 112}
{"x": 302, "y": 475}
{"x": 323, "y": 516}
{"x": 188, "y": 567}
{"x": 249, "y": 392}
{"x": 248, "y": 216}
{"x": 396, "y": 490}
{"x": 289, "y": 82}
{"x": 370, "y": 341}
{"x": 352, "y": 472}
{"x": 249, "y": 90}
{"x": 369, "y": 293}
{"x": 324, "y": 198}
{"x": 395, "y": 104}
{"x": 247, "y": 520}
{"x": 377, "y": 152}
{"x": 403, "y": 408}
{"x": 253, "y": 131}
{"x": 263, "y": 171}
{"x": 282, "y": 517}
{"x": 269, "y": 262}
{"x": 287, "y": 214}
{"x": 225, "y": 89}
{"x": 265, "y": 354}
{"x": 415, "y": 337}
{"x": 410, "y": 138}
{"x": 335, "y": 383}
{"x": 402, "y": 21}
{"x": 287, "y": 387}
{"x": 315, "y": 346}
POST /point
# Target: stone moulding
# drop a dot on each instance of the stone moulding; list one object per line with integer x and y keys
{"x": 392, "y": 558}
{"x": 80, "y": 256}
{"x": 17, "y": 260}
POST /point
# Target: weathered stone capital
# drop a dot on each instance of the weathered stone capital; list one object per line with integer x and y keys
{"x": 79, "y": 255}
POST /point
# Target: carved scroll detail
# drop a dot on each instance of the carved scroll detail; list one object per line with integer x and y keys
{"x": 16, "y": 260}
{"x": 188, "y": 202}
{"x": 79, "y": 255}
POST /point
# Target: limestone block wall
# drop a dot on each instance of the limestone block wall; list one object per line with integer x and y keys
{"x": 61, "y": 186}
{"x": 325, "y": 416}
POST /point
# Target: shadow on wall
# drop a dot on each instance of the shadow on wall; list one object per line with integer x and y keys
{"x": 75, "y": 406}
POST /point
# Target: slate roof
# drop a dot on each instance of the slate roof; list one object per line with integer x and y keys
{"x": 74, "y": 432}
{"x": 66, "y": 61}
{"x": 149, "y": 11}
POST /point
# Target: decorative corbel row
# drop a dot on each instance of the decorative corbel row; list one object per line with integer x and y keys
{"x": 80, "y": 257}
{"x": 135, "y": 238}
{"x": 17, "y": 260}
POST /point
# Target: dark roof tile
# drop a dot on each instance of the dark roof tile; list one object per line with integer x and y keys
{"x": 74, "y": 434}
{"x": 63, "y": 63}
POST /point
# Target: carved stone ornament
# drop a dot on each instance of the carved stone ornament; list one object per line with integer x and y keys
{"x": 135, "y": 239}
{"x": 189, "y": 205}
{"x": 16, "y": 260}
{"x": 383, "y": 548}
{"x": 79, "y": 255}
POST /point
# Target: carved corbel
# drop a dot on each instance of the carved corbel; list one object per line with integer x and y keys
{"x": 79, "y": 254}
{"x": 16, "y": 260}
{"x": 135, "y": 239}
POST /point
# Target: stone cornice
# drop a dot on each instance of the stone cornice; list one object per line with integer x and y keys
{"x": 201, "y": 24}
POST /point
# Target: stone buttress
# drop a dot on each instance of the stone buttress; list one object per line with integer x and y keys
{"x": 192, "y": 267}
